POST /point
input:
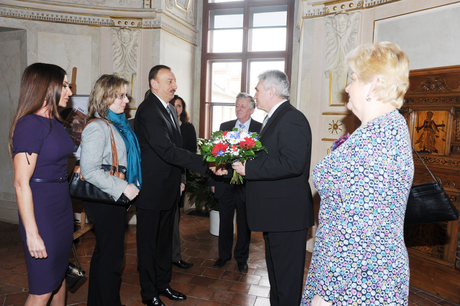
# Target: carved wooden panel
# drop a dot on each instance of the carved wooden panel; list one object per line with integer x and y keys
{"x": 431, "y": 109}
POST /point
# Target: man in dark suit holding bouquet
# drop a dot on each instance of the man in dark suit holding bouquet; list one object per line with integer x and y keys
{"x": 231, "y": 196}
{"x": 279, "y": 201}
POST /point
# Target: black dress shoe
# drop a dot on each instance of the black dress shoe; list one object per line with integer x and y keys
{"x": 182, "y": 264}
{"x": 173, "y": 294}
{"x": 220, "y": 263}
{"x": 153, "y": 302}
{"x": 243, "y": 267}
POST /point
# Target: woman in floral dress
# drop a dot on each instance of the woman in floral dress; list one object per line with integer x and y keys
{"x": 360, "y": 257}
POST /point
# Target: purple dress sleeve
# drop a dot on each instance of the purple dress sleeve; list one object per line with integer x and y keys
{"x": 28, "y": 135}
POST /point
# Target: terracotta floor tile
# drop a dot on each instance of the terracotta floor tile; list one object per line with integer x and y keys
{"x": 233, "y": 276}
{"x": 200, "y": 281}
{"x": 243, "y": 299}
{"x": 414, "y": 297}
{"x": 264, "y": 282}
{"x": 424, "y": 302}
{"x": 181, "y": 277}
{"x": 202, "y": 284}
{"x": 446, "y": 303}
{"x": 207, "y": 303}
{"x": 259, "y": 291}
{"x": 201, "y": 292}
{"x": 222, "y": 296}
{"x": 220, "y": 284}
{"x": 260, "y": 301}
{"x": 16, "y": 298}
{"x": 251, "y": 279}
{"x": 181, "y": 287}
{"x": 6, "y": 289}
{"x": 239, "y": 287}
{"x": 214, "y": 273}
{"x": 129, "y": 290}
{"x": 429, "y": 297}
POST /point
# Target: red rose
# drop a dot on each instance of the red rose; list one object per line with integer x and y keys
{"x": 234, "y": 148}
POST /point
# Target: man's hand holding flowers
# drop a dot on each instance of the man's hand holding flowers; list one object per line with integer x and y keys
{"x": 230, "y": 147}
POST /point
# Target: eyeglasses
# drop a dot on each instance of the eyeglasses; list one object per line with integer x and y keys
{"x": 121, "y": 96}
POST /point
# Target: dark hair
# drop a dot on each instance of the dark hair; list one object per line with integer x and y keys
{"x": 184, "y": 117}
{"x": 154, "y": 71}
{"x": 41, "y": 86}
{"x": 147, "y": 93}
{"x": 103, "y": 95}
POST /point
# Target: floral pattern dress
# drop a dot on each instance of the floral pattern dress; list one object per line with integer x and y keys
{"x": 360, "y": 257}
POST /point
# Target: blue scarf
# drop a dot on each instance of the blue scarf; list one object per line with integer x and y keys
{"x": 133, "y": 169}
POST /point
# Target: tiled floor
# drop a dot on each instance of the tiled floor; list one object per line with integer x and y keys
{"x": 203, "y": 285}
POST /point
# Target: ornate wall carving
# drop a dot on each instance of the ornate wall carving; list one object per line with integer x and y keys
{"x": 341, "y": 38}
{"x": 125, "y": 43}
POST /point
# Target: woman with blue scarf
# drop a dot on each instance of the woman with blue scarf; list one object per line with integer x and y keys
{"x": 107, "y": 101}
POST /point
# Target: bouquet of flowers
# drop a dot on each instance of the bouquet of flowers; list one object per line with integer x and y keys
{"x": 230, "y": 146}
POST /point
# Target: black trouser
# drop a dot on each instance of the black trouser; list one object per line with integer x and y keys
{"x": 176, "y": 238}
{"x": 154, "y": 249}
{"x": 285, "y": 257}
{"x": 109, "y": 224}
{"x": 233, "y": 199}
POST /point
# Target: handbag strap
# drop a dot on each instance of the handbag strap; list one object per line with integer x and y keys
{"x": 425, "y": 165}
{"x": 76, "y": 255}
{"x": 112, "y": 141}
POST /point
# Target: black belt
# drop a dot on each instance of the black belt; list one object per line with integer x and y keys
{"x": 59, "y": 180}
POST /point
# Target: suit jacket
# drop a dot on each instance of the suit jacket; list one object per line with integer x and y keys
{"x": 221, "y": 183}
{"x": 188, "y": 136}
{"x": 278, "y": 195}
{"x": 96, "y": 149}
{"x": 162, "y": 155}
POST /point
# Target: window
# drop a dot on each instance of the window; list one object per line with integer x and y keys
{"x": 241, "y": 39}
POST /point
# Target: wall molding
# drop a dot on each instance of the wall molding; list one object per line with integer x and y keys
{"x": 324, "y": 8}
{"x": 39, "y": 15}
{"x": 150, "y": 20}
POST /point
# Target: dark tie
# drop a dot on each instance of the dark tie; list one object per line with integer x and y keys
{"x": 264, "y": 123}
{"x": 170, "y": 112}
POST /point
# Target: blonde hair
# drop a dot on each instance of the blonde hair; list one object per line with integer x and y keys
{"x": 388, "y": 63}
{"x": 103, "y": 95}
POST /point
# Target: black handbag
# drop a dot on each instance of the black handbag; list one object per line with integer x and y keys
{"x": 83, "y": 190}
{"x": 429, "y": 203}
{"x": 74, "y": 273}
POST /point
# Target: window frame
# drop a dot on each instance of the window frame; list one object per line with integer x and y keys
{"x": 245, "y": 56}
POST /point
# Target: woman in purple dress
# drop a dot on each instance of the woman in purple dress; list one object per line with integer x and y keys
{"x": 360, "y": 257}
{"x": 40, "y": 147}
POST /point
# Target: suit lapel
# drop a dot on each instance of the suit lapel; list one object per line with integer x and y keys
{"x": 174, "y": 115}
{"x": 252, "y": 126}
{"x": 272, "y": 119}
{"x": 174, "y": 128}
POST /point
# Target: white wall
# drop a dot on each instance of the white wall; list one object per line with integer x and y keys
{"x": 13, "y": 60}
